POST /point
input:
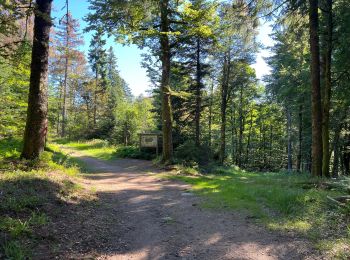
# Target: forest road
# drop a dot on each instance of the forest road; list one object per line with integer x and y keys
{"x": 153, "y": 218}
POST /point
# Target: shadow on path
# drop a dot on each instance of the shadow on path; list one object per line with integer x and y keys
{"x": 140, "y": 216}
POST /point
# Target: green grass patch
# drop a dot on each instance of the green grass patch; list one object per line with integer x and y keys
{"x": 284, "y": 202}
{"x": 14, "y": 250}
{"x": 101, "y": 149}
{"x": 63, "y": 161}
{"x": 95, "y": 148}
{"x": 15, "y": 227}
{"x": 10, "y": 148}
{"x": 30, "y": 192}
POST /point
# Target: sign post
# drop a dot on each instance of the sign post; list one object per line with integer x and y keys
{"x": 150, "y": 140}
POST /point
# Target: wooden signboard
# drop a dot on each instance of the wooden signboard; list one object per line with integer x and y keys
{"x": 149, "y": 140}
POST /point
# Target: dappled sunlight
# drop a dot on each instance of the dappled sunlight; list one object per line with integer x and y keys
{"x": 301, "y": 226}
{"x": 137, "y": 212}
{"x": 213, "y": 239}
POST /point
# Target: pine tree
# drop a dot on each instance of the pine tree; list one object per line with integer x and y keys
{"x": 68, "y": 40}
{"x": 37, "y": 124}
{"x": 98, "y": 62}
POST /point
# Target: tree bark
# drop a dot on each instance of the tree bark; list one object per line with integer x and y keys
{"x": 87, "y": 112}
{"x": 224, "y": 93}
{"x": 335, "y": 170}
{"x": 59, "y": 110}
{"x": 327, "y": 90}
{"x": 198, "y": 94}
{"x": 346, "y": 151}
{"x": 64, "y": 105}
{"x": 316, "y": 104}
{"x": 36, "y": 125}
{"x": 211, "y": 111}
{"x": 270, "y": 146}
{"x": 241, "y": 127}
{"x": 95, "y": 99}
{"x": 289, "y": 141}
{"x": 247, "y": 161}
{"x": 233, "y": 129}
{"x": 300, "y": 138}
{"x": 165, "y": 84}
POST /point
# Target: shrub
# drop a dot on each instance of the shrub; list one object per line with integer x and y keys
{"x": 134, "y": 153}
{"x": 190, "y": 155}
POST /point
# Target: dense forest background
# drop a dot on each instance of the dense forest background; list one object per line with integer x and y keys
{"x": 206, "y": 98}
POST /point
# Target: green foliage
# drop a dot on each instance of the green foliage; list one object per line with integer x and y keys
{"x": 189, "y": 154}
{"x": 134, "y": 152}
{"x": 15, "y": 227}
{"x": 14, "y": 79}
{"x": 38, "y": 219}
{"x": 131, "y": 118}
{"x": 14, "y": 250}
{"x": 10, "y": 148}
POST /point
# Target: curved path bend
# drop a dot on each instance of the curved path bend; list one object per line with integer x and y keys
{"x": 153, "y": 218}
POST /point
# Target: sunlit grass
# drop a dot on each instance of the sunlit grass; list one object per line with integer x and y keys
{"x": 26, "y": 188}
{"x": 101, "y": 149}
{"x": 95, "y": 148}
{"x": 278, "y": 200}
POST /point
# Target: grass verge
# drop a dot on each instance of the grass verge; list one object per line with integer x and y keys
{"x": 32, "y": 195}
{"x": 283, "y": 202}
{"x": 105, "y": 151}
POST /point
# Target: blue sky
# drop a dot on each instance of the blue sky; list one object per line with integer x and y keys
{"x": 129, "y": 57}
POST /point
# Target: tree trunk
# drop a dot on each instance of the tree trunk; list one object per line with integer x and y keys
{"x": 36, "y": 125}
{"x": 300, "y": 138}
{"x": 327, "y": 90}
{"x": 224, "y": 93}
{"x": 315, "y": 90}
{"x": 346, "y": 161}
{"x": 95, "y": 99}
{"x": 211, "y": 111}
{"x": 198, "y": 94}
{"x": 261, "y": 150}
{"x": 335, "y": 170}
{"x": 247, "y": 161}
{"x": 270, "y": 146}
{"x": 59, "y": 110}
{"x": 165, "y": 84}
{"x": 64, "y": 105}
{"x": 88, "y": 112}
{"x": 232, "y": 120}
{"x": 289, "y": 137}
{"x": 346, "y": 151}
{"x": 264, "y": 146}
{"x": 64, "y": 101}
{"x": 241, "y": 127}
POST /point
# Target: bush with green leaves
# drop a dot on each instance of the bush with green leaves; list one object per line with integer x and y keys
{"x": 190, "y": 155}
{"x": 134, "y": 153}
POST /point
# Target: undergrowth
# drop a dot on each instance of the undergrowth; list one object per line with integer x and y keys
{"x": 31, "y": 192}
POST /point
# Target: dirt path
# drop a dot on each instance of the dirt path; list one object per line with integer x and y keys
{"x": 152, "y": 218}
